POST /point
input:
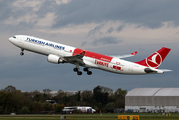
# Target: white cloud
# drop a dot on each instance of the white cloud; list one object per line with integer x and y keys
{"x": 47, "y": 21}
{"x": 28, "y": 18}
{"x": 163, "y": 34}
{"x": 59, "y": 2}
{"x": 23, "y": 4}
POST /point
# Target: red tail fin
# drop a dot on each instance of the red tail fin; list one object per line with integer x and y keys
{"x": 155, "y": 59}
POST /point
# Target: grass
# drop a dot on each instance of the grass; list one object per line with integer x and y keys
{"x": 106, "y": 116}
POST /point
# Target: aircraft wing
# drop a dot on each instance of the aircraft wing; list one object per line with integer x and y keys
{"x": 75, "y": 59}
{"x": 124, "y": 56}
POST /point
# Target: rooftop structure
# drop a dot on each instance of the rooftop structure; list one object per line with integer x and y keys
{"x": 152, "y": 99}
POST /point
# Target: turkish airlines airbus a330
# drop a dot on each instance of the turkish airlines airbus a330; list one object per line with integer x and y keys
{"x": 60, "y": 53}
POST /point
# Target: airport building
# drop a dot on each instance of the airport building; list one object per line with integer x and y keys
{"x": 152, "y": 100}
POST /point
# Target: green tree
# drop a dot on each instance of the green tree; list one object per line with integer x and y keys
{"x": 101, "y": 96}
{"x": 97, "y": 93}
{"x": 25, "y": 110}
{"x": 58, "y": 107}
{"x": 73, "y": 100}
{"x": 87, "y": 98}
{"x": 78, "y": 95}
{"x": 36, "y": 95}
{"x": 6, "y": 102}
{"x": 120, "y": 98}
{"x": 46, "y": 106}
{"x": 61, "y": 98}
{"x": 47, "y": 91}
{"x": 10, "y": 88}
{"x": 37, "y": 107}
{"x": 110, "y": 107}
{"x": 19, "y": 100}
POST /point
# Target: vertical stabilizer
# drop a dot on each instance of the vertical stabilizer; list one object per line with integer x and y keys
{"x": 155, "y": 60}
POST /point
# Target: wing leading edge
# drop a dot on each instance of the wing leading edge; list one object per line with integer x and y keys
{"x": 125, "y": 56}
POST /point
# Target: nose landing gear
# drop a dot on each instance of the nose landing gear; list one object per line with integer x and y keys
{"x": 22, "y": 52}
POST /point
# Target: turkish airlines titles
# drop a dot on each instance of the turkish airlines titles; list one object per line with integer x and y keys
{"x": 45, "y": 43}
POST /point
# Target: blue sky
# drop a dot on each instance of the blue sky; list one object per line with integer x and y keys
{"x": 108, "y": 27}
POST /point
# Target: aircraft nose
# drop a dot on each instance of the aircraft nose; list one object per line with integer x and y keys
{"x": 11, "y": 39}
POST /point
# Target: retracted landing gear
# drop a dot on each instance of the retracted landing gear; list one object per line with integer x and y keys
{"x": 87, "y": 70}
{"x": 22, "y": 52}
{"x": 77, "y": 70}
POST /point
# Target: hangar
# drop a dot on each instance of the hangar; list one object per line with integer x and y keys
{"x": 152, "y": 100}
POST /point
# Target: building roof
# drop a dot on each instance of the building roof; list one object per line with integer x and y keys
{"x": 154, "y": 92}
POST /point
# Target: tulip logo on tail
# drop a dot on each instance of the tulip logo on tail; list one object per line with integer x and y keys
{"x": 154, "y": 60}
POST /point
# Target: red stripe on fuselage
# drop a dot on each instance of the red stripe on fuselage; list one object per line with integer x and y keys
{"x": 92, "y": 55}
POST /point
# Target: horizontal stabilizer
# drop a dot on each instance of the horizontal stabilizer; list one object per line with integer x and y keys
{"x": 153, "y": 70}
{"x": 166, "y": 70}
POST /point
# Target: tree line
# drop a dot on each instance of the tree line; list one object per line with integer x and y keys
{"x": 101, "y": 99}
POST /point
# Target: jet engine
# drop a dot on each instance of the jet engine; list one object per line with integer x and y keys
{"x": 55, "y": 59}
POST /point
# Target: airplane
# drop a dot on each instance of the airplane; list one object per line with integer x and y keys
{"x": 60, "y": 53}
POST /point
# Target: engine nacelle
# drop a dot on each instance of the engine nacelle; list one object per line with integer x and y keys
{"x": 55, "y": 59}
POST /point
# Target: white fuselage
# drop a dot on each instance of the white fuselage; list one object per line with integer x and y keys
{"x": 107, "y": 63}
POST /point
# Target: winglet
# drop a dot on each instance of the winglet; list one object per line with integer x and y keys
{"x": 134, "y": 53}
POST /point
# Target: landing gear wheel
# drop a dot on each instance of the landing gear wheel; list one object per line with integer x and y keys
{"x": 89, "y": 72}
{"x": 85, "y": 69}
{"x": 21, "y": 53}
{"x": 75, "y": 69}
{"x": 79, "y": 73}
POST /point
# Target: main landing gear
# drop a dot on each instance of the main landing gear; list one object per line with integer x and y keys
{"x": 22, "y": 52}
{"x": 77, "y": 70}
{"x": 87, "y": 70}
{"x": 80, "y": 73}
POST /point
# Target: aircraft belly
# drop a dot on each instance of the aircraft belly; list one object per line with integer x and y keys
{"x": 133, "y": 69}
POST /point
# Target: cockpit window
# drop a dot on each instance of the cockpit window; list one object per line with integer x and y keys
{"x": 14, "y": 36}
